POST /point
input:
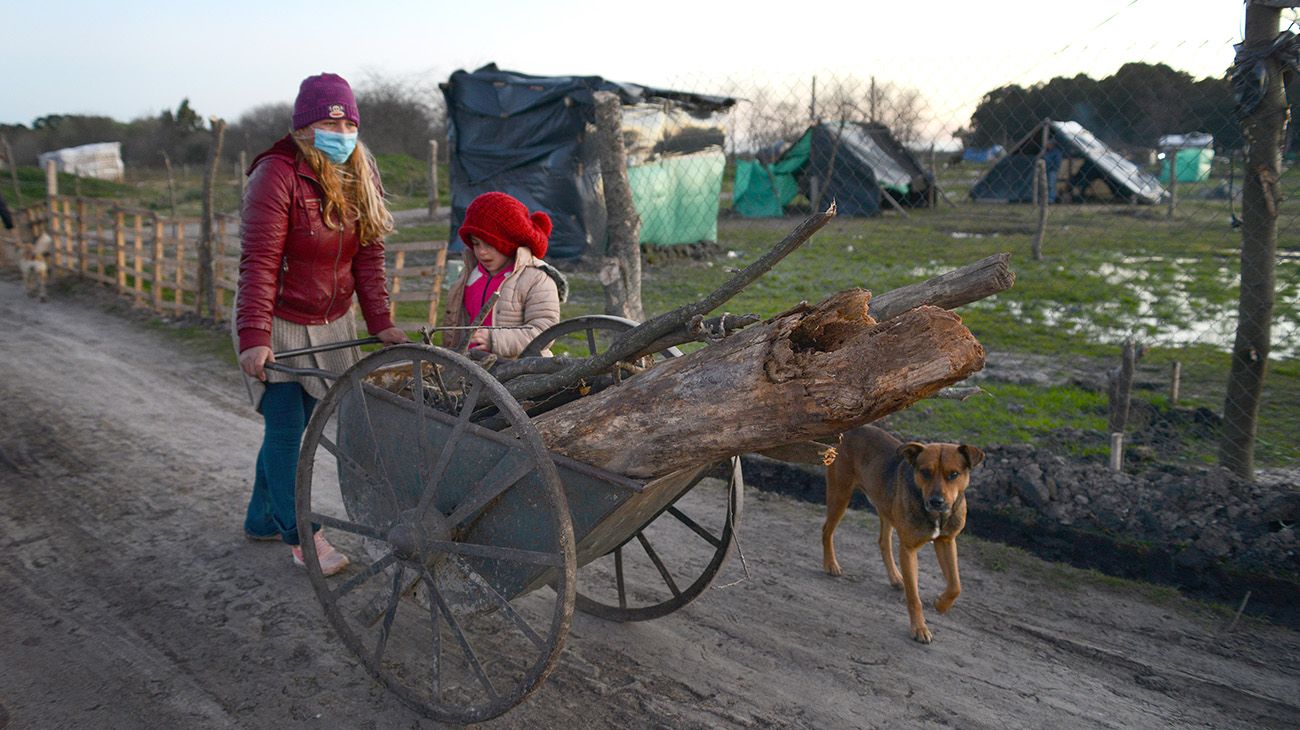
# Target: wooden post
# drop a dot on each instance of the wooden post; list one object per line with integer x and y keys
{"x": 1116, "y": 451}
{"x": 621, "y": 267}
{"x": 119, "y": 243}
{"x": 439, "y": 274}
{"x": 1041, "y": 196}
{"x": 433, "y": 178}
{"x": 399, "y": 261}
{"x": 51, "y": 178}
{"x": 171, "y": 183}
{"x": 138, "y": 268}
{"x": 82, "y": 252}
{"x": 1175, "y": 382}
{"x": 243, "y": 178}
{"x": 930, "y": 198}
{"x": 99, "y": 244}
{"x": 1172, "y": 156}
{"x": 1261, "y": 199}
{"x": 178, "y": 294}
{"x": 1121, "y": 386}
{"x": 206, "y": 288}
{"x": 158, "y": 258}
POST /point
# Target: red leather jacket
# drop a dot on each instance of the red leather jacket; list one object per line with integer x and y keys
{"x": 292, "y": 265}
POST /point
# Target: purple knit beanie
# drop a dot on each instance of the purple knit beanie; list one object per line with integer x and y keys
{"x": 325, "y": 96}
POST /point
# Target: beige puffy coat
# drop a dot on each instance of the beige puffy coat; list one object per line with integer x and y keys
{"x": 530, "y": 298}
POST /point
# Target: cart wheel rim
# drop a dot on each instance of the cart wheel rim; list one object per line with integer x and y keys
{"x": 634, "y": 582}
{"x": 444, "y": 587}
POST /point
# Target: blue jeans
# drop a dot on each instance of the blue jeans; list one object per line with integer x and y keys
{"x": 286, "y": 407}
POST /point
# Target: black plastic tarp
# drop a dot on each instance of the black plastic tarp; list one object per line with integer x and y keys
{"x": 527, "y": 135}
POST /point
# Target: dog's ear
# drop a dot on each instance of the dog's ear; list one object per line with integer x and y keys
{"x": 910, "y": 451}
{"x": 974, "y": 456}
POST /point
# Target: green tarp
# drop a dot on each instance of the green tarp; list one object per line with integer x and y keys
{"x": 1193, "y": 165}
{"x": 763, "y": 191}
{"x": 677, "y": 197}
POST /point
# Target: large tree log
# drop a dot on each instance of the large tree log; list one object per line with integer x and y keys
{"x": 806, "y": 374}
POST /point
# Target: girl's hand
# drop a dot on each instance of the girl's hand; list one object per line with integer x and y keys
{"x": 479, "y": 340}
{"x": 393, "y": 336}
{"x": 253, "y": 360}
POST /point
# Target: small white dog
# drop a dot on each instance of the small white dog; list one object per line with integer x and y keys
{"x": 33, "y": 262}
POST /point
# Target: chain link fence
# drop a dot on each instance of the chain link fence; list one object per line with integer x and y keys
{"x": 1118, "y": 192}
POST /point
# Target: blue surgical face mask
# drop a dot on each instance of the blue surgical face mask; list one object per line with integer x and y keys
{"x": 337, "y": 146}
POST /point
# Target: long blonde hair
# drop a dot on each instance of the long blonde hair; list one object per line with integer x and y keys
{"x": 351, "y": 192}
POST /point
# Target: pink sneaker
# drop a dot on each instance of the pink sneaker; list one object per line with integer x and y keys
{"x": 331, "y": 561}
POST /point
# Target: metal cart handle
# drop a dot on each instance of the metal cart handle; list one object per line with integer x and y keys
{"x": 315, "y": 372}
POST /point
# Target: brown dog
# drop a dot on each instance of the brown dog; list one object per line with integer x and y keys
{"x": 918, "y": 491}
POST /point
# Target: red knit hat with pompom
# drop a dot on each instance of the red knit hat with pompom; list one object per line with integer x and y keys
{"x": 505, "y": 223}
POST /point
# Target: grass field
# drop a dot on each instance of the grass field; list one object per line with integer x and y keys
{"x": 1108, "y": 272}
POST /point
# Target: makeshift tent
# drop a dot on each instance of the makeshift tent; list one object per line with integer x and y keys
{"x": 1084, "y": 166}
{"x": 853, "y": 163}
{"x": 101, "y": 160}
{"x": 530, "y": 136}
{"x": 1194, "y": 154}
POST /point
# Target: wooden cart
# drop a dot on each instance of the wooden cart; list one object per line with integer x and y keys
{"x": 468, "y": 536}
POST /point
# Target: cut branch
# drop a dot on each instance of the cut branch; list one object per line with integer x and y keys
{"x": 638, "y": 339}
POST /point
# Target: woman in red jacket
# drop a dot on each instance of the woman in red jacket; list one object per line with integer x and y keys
{"x": 313, "y": 225}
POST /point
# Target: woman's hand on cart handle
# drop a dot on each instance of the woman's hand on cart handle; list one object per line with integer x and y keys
{"x": 393, "y": 336}
{"x": 253, "y": 360}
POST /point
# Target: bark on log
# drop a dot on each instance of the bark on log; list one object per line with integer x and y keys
{"x": 808, "y": 374}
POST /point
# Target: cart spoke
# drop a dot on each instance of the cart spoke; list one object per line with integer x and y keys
{"x": 389, "y": 614}
{"x": 465, "y": 647}
{"x": 591, "y": 341}
{"x": 477, "y": 579}
{"x": 618, "y": 578}
{"x": 654, "y": 557}
{"x": 371, "y": 571}
{"x": 417, "y": 395}
{"x": 436, "y": 644}
{"x": 346, "y": 526}
{"x": 695, "y": 527}
{"x": 449, "y": 448}
{"x": 490, "y": 487}
{"x": 514, "y": 555}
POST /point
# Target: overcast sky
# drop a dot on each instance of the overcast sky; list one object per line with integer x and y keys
{"x": 135, "y": 58}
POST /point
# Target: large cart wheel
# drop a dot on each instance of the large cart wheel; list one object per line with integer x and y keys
{"x": 584, "y": 336}
{"x": 632, "y": 583}
{"x": 451, "y": 527}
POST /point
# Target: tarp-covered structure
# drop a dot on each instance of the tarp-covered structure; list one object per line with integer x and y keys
{"x": 100, "y": 160}
{"x": 853, "y": 163}
{"x": 531, "y": 136}
{"x": 1079, "y": 166}
{"x": 1193, "y": 153}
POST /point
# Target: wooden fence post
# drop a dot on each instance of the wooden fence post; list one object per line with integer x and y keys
{"x": 243, "y": 178}
{"x": 433, "y": 178}
{"x": 1121, "y": 397}
{"x": 158, "y": 258}
{"x": 119, "y": 244}
{"x": 1175, "y": 382}
{"x": 82, "y": 252}
{"x": 171, "y": 183}
{"x": 138, "y": 267}
{"x": 206, "y": 293}
{"x": 1041, "y": 195}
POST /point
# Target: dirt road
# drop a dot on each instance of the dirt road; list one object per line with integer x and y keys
{"x": 129, "y": 598}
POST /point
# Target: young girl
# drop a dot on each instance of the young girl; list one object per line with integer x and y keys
{"x": 312, "y": 235}
{"x": 504, "y": 249}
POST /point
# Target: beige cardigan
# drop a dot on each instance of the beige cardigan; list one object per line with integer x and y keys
{"x": 530, "y": 300}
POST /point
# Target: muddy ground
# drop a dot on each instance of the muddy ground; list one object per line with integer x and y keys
{"x": 129, "y": 597}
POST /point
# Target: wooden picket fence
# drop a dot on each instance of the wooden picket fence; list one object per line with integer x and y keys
{"x": 153, "y": 258}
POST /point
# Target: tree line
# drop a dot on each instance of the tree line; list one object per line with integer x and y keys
{"x": 1131, "y": 108}
{"x": 399, "y": 118}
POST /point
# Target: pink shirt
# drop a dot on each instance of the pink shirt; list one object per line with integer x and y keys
{"x": 480, "y": 288}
